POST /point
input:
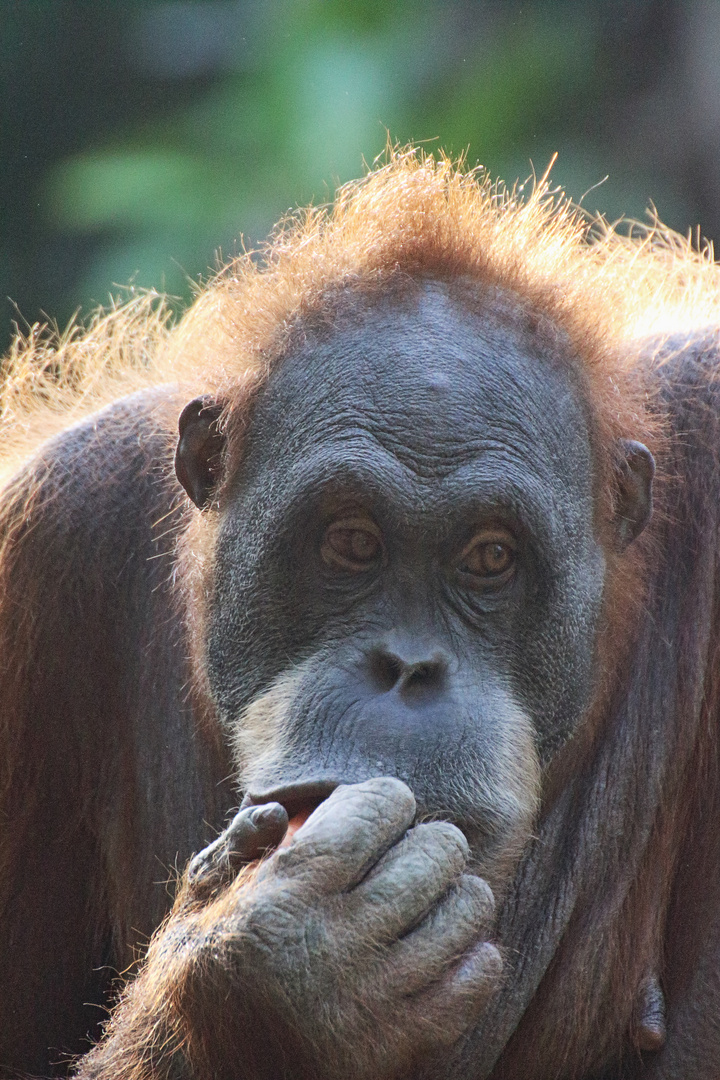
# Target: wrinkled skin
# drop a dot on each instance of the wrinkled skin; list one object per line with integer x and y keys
{"x": 397, "y": 627}
{"x": 430, "y": 425}
{"x": 407, "y": 581}
{"x": 372, "y": 927}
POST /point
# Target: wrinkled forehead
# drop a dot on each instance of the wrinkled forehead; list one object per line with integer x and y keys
{"x": 432, "y": 381}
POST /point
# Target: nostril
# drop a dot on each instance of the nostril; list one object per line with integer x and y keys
{"x": 420, "y": 673}
{"x": 423, "y": 677}
{"x": 387, "y": 669}
{"x": 390, "y": 671}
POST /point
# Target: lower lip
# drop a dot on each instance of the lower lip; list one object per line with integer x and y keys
{"x": 294, "y": 824}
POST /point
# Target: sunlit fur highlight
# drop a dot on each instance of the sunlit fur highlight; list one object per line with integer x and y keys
{"x": 261, "y": 732}
{"x": 605, "y": 287}
{"x": 608, "y": 290}
{"x": 609, "y": 293}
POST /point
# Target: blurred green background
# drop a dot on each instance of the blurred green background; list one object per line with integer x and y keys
{"x": 139, "y": 138}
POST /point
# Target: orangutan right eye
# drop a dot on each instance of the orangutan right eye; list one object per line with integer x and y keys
{"x": 352, "y": 543}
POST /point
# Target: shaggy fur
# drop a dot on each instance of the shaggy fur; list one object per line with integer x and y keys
{"x": 607, "y": 897}
{"x": 607, "y": 290}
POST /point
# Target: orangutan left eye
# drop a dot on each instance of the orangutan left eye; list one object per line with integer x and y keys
{"x": 489, "y": 557}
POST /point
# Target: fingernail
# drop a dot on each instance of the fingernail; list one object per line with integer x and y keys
{"x": 263, "y": 815}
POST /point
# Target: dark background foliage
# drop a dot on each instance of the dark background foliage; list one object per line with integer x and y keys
{"x": 140, "y": 138}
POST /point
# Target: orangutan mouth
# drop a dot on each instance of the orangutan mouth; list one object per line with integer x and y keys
{"x": 299, "y": 800}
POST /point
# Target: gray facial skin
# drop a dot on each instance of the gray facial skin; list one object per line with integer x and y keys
{"x": 434, "y": 422}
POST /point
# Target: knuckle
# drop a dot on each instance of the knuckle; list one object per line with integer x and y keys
{"x": 478, "y": 889}
{"x": 476, "y": 892}
{"x": 445, "y": 839}
{"x": 307, "y": 866}
{"x": 271, "y": 921}
{"x": 303, "y": 855}
{"x": 483, "y": 967}
{"x": 381, "y": 789}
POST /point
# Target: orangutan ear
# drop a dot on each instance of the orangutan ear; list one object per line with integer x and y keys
{"x": 199, "y": 454}
{"x": 633, "y": 497}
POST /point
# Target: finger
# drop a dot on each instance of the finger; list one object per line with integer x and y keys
{"x": 431, "y": 952}
{"x": 409, "y": 880}
{"x": 249, "y": 837}
{"x": 452, "y": 1007}
{"x": 346, "y": 835}
{"x": 250, "y": 834}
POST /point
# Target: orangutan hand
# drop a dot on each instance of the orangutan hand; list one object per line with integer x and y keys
{"x": 356, "y": 950}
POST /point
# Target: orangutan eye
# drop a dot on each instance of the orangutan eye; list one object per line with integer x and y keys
{"x": 489, "y": 557}
{"x": 352, "y": 544}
